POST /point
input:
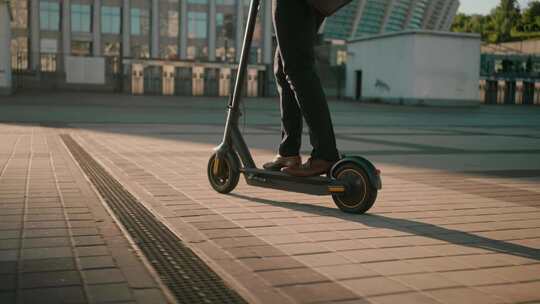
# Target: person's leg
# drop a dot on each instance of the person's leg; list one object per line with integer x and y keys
{"x": 295, "y": 24}
{"x": 291, "y": 117}
{"x": 291, "y": 123}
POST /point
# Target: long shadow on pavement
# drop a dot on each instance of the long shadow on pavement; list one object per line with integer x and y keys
{"x": 408, "y": 226}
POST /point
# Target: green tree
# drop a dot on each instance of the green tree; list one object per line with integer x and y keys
{"x": 505, "y": 19}
{"x": 530, "y": 19}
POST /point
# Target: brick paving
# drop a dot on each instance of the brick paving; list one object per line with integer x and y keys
{"x": 58, "y": 244}
{"x": 458, "y": 220}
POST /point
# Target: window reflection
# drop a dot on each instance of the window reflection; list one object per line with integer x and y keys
{"x": 80, "y": 18}
{"x": 49, "y": 16}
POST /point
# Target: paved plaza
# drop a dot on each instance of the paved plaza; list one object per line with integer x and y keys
{"x": 457, "y": 220}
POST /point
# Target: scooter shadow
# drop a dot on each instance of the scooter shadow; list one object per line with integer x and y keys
{"x": 409, "y": 226}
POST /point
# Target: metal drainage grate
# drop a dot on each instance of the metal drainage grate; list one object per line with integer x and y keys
{"x": 187, "y": 276}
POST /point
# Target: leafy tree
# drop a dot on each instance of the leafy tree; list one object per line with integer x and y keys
{"x": 530, "y": 19}
{"x": 505, "y": 18}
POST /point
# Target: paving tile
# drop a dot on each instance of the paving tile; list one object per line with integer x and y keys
{"x": 394, "y": 268}
{"x": 284, "y": 239}
{"x": 515, "y": 293}
{"x": 324, "y": 236}
{"x": 426, "y": 281}
{"x": 72, "y": 294}
{"x": 375, "y": 286}
{"x": 109, "y": 293}
{"x": 8, "y": 282}
{"x": 303, "y": 248}
{"x": 322, "y": 259}
{"x": 90, "y": 240}
{"x": 46, "y": 253}
{"x": 7, "y": 297}
{"x": 91, "y": 251}
{"x": 369, "y": 255}
{"x": 464, "y": 295}
{"x": 45, "y": 224}
{"x": 52, "y": 264}
{"x": 103, "y": 276}
{"x": 47, "y": 242}
{"x": 341, "y": 245}
{"x": 347, "y": 271}
{"x": 271, "y": 263}
{"x": 476, "y": 277}
{"x": 292, "y": 276}
{"x": 50, "y": 279}
{"x": 150, "y": 296}
{"x": 10, "y": 244}
{"x": 9, "y": 234}
{"x": 138, "y": 277}
{"x": 318, "y": 292}
{"x": 94, "y": 262}
{"x": 255, "y": 251}
{"x": 8, "y": 267}
{"x": 240, "y": 242}
{"x": 440, "y": 264}
{"x": 520, "y": 273}
{"x": 9, "y": 255}
{"x": 49, "y": 232}
{"x": 84, "y": 231}
{"x": 404, "y": 298}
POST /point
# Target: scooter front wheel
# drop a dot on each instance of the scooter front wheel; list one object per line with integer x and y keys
{"x": 224, "y": 174}
{"x": 360, "y": 194}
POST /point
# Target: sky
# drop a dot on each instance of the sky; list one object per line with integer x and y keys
{"x": 482, "y": 6}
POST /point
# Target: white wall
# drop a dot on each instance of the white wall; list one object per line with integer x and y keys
{"x": 386, "y": 61}
{"x": 446, "y": 68}
{"x": 85, "y": 70}
{"x": 416, "y": 66}
{"x": 5, "y": 56}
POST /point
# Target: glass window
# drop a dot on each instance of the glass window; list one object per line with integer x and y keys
{"x": 47, "y": 62}
{"x": 49, "y": 16}
{"x": 198, "y": 1}
{"x": 80, "y": 18}
{"x": 197, "y": 25}
{"x": 111, "y": 49}
{"x": 173, "y": 24}
{"x": 19, "y": 54}
{"x": 140, "y": 22}
{"x": 225, "y": 2}
{"x": 110, "y": 19}
{"x": 81, "y": 48}
{"x": 20, "y": 14}
{"x": 219, "y": 19}
{"x": 135, "y": 21}
{"x": 140, "y": 51}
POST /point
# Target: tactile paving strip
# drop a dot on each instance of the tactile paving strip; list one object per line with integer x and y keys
{"x": 186, "y": 275}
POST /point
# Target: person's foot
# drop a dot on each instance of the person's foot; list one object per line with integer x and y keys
{"x": 280, "y": 162}
{"x": 312, "y": 167}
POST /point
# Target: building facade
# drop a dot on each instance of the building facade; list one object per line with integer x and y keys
{"x": 374, "y": 17}
{"x": 193, "y": 30}
{"x": 197, "y": 42}
{"x": 415, "y": 67}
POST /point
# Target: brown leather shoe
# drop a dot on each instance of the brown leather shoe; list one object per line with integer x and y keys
{"x": 312, "y": 167}
{"x": 282, "y": 162}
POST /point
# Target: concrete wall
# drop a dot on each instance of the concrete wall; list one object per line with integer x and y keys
{"x": 85, "y": 70}
{"x": 446, "y": 67}
{"x": 384, "y": 65}
{"x": 5, "y": 57}
{"x": 416, "y": 67}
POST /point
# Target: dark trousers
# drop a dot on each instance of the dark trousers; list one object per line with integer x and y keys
{"x": 301, "y": 93}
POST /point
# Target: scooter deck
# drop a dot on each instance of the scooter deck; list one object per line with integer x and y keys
{"x": 317, "y": 185}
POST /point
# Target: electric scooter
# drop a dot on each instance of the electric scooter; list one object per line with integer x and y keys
{"x": 353, "y": 182}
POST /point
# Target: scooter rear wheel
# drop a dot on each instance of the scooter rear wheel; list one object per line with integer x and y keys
{"x": 224, "y": 174}
{"x": 360, "y": 194}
